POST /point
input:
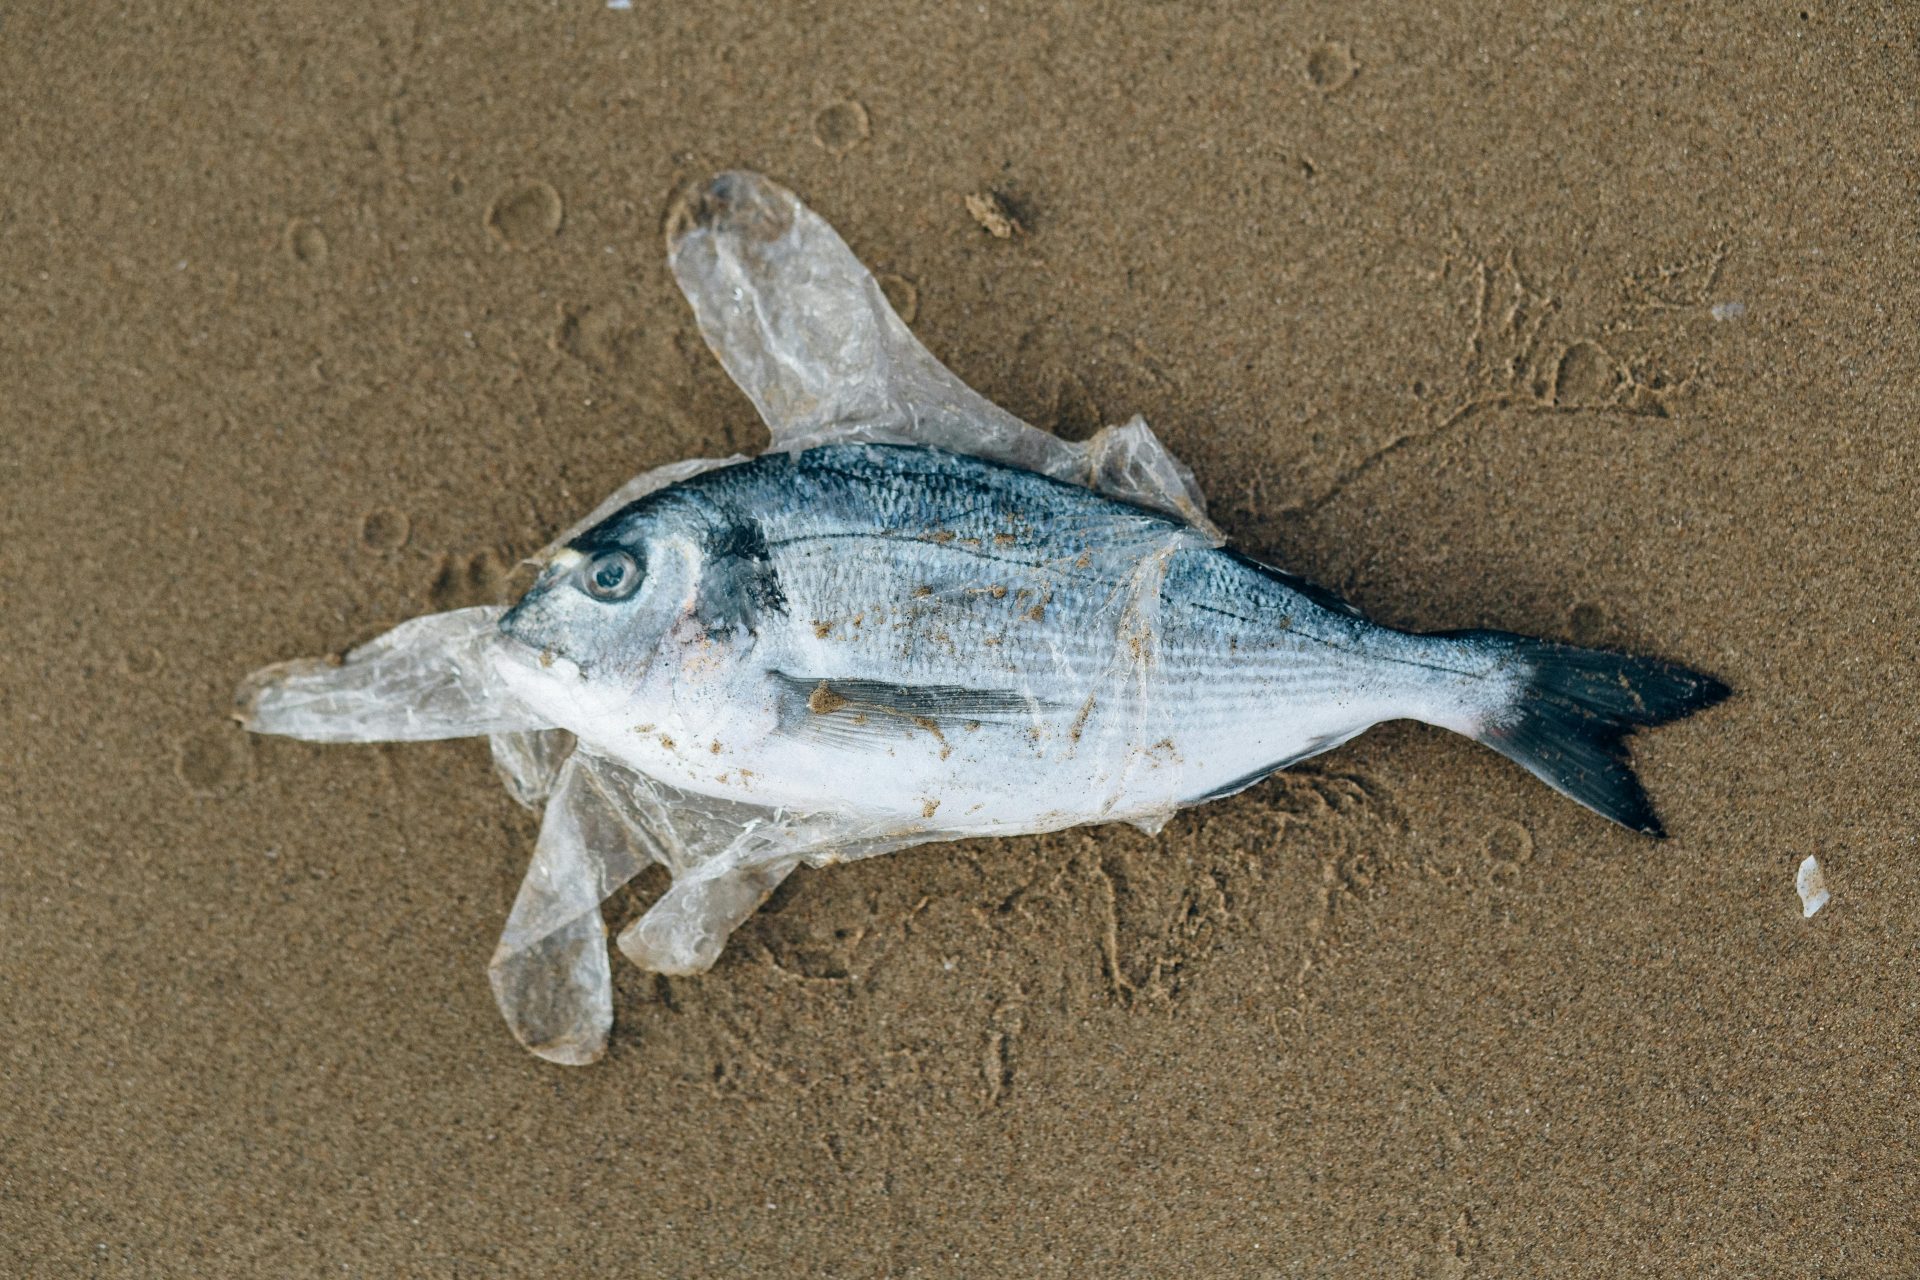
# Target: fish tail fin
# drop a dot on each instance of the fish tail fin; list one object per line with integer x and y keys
{"x": 1571, "y": 710}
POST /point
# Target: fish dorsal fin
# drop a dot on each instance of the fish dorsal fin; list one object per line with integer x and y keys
{"x": 806, "y": 332}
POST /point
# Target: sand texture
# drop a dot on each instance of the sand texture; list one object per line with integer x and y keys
{"x": 1593, "y": 324}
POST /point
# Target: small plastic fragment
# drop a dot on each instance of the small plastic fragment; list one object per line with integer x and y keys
{"x": 529, "y": 763}
{"x": 557, "y": 994}
{"x": 685, "y": 930}
{"x": 1810, "y": 882}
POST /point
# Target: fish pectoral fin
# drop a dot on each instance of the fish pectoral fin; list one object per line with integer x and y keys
{"x": 856, "y": 712}
{"x": 829, "y": 694}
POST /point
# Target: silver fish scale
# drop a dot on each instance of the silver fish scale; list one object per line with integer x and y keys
{"x": 1121, "y": 629}
{"x": 929, "y": 561}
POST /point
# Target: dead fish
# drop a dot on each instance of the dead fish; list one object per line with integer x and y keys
{"x": 895, "y": 632}
{"x": 915, "y": 618}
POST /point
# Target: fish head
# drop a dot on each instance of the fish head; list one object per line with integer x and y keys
{"x": 604, "y": 603}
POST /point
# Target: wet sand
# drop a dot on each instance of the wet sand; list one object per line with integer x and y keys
{"x": 1599, "y": 327}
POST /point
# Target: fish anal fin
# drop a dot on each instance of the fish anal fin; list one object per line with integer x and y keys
{"x": 1324, "y": 743}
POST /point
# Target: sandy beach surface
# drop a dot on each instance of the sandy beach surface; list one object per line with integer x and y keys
{"x": 1598, "y": 325}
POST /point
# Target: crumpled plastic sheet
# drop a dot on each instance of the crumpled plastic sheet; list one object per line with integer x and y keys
{"x": 806, "y": 332}
{"x": 529, "y": 762}
{"x": 432, "y": 677}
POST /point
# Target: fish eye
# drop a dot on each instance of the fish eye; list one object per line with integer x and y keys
{"x": 611, "y": 575}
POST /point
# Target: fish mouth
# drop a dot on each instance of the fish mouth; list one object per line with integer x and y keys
{"x": 530, "y": 625}
{"x": 530, "y": 644}
{"x": 513, "y": 623}
{"x": 530, "y": 620}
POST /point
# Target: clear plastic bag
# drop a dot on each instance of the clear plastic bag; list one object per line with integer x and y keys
{"x": 805, "y": 330}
